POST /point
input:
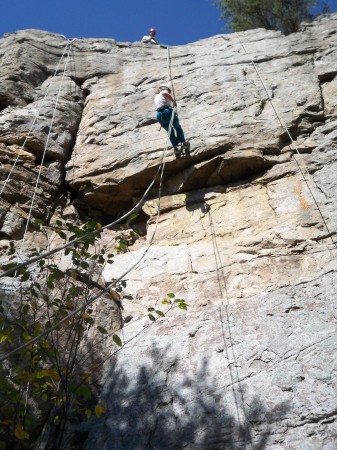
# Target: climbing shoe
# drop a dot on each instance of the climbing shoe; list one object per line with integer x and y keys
{"x": 177, "y": 152}
{"x": 185, "y": 146}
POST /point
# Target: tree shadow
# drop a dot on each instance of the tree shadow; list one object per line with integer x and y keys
{"x": 154, "y": 406}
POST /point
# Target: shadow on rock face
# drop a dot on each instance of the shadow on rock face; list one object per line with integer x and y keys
{"x": 154, "y": 406}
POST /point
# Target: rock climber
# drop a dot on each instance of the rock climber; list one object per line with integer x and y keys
{"x": 164, "y": 103}
{"x": 151, "y": 39}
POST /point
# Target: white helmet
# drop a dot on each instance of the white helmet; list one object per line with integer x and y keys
{"x": 164, "y": 87}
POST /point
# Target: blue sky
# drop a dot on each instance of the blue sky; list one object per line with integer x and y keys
{"x": 177, "y": 21}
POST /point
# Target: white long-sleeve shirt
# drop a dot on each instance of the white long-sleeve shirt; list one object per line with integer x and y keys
{"x": 160, "y": 101}
{"x": 149, "y": 40}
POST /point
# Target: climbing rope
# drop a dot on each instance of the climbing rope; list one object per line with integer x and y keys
{"x": 68, "y": 43}
{"x": 30, "y": 261}
{"x": 111, "y": 285}
{"x": 46, "y": 146}
{"x": 109, "y": 225}
{"x": 20, "y": 251}
{"x": 286, "y": 130}
{"x": 169, "y": 72}
{"x": 224, "y": 306}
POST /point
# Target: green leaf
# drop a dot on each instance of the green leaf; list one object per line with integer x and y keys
{"x": 102, "y": 330}
{"x": 151, "y": 317}
{"x": 75, "y": 291}
{"x": 101, "y": 259}
{"x": 166, "y": 302}
{"x": 83, "y": 390}
{"x": 62, "y": 313}
{"x": 25, "y": 275}
{"x": 89, "y": 320}
{"x": 59, "y": 222}
{"x": 26, "y": 336}
{"x": 150, "y": 309}
{"x": 70, "y": 226}
{"x": 57, "y": 274}
{"x": 182, "y": 306}
{"x": 25, "y": 308}
{"x": 11, "y": 251}
{"x": 61, "y": 234}
{"x": 170, "y": 295}
{"x": 34, "y": 293}
{"x": 84, "y": 264}
{"x": 117, "y": 340}
{"x": 160, "y": 313}
{"x": 44, "y": 345}
{"x": 39, "y": 221}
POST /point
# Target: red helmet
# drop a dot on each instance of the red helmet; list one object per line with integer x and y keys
{"x": 152, "y": 30}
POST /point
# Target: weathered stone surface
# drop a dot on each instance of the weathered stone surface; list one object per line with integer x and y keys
{"x": 246, "y": 232}
{"x": 231, "y": 376}
{"x": 38, "y": 127}
{"x": 226, "y": 97}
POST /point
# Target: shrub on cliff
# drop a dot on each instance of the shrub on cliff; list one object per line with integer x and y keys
{"x": 283, "y": 15}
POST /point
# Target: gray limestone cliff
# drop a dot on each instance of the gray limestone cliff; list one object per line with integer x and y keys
{"x": 246, "y": 232}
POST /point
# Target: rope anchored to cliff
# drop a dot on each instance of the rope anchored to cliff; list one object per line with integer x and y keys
{"x": 36, "y": 116}
{"x": 286, "y": 130}
{"x": 106, "y": 289}
{"x": 91, "y": 300}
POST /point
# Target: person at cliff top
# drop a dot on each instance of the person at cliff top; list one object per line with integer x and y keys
{"x": 164, "y": 103}
{"x": 150, "y": 39}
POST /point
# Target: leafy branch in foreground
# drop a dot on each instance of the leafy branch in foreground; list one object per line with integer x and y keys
{"x": 47, "y": 383}
{"x": 56, "y": 380}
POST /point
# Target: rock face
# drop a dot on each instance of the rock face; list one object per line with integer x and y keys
{"x": 245, "y": 230}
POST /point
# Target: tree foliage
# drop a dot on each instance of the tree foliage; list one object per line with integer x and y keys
{"x": 283, "y": 15}
{"x": 54, "y": 380}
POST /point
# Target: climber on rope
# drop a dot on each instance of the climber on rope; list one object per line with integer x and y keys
{"x": 164, "y": 104}
{"x": 151, "y": 39}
